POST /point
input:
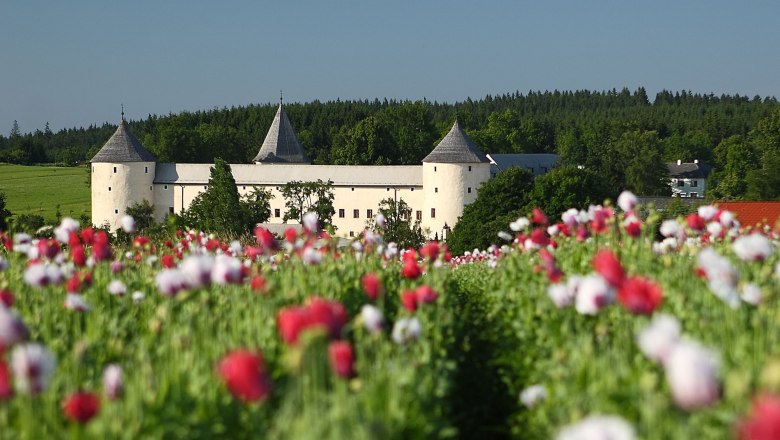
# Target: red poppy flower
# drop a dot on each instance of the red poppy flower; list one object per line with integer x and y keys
{"x": 608, "y": 266}
{"x": 167, "y": 261}
{"x": 426, "y": 294}
{"x": 81, "y": 406}
{"x": 258, "y": 283}
{"x": 342, "y": 359}
{"x": 640, "y": 296}
{"x": 6, "y": 297}
{"x": 6, "y": 390}
{"x": 696, "y": 222}
{"x": 539, "y": 217}
{"x": 409, "y": 300}
{"x": 430, "y": 250}
{"x": 372, "y": 286}
{"x": 763, "y": 423}
{"x": 244, "y": 375}
{"x": 411, "y": 270}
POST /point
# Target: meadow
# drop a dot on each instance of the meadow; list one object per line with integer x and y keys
{"x": 593, "y": 325}
{"x": 40, "y": 189}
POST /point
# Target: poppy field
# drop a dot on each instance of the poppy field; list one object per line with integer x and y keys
{"x": 604, "y": 323}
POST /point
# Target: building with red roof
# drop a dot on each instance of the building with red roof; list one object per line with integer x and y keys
{"x": 755, "y": 214}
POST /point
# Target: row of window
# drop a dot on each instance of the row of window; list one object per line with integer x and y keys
{"x": 681, "y": 183}
{"x": 436, "y": 190}
{"x": 146, "y": 170}
{"x": 434, "y": 168}
{"x": 370, "y": 213}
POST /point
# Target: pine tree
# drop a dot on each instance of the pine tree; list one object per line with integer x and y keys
{"x": 218, "y": 209}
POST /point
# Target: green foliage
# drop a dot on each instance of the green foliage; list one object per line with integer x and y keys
{"x": 303, "y": 197}
{"x": 218, "y": 208}
{"x": 497, "y": 201}
{"x": 634, "y": 163}
{"x": 256, "y": 206}
{"x": 143, "y": 213}
{"x": 28, "y": 223}
{"x": 4, "y": 213}
{"x": 399, "y": 227}
{"x": 567, "y": 187}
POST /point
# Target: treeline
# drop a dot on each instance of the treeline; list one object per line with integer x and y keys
{"x": 600, "y": 130}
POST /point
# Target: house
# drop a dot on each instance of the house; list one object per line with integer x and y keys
{"x": 688, "y": 179}
{"x": 124, "y": 173}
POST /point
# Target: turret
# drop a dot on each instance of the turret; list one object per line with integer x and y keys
{"x": 122, "y": 175}
{"x": 280, "y": 144}
{"x": 452, "y": 174}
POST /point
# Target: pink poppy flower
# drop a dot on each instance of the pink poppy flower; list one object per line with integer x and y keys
{"x": 342, "y": 359}
{"x": 372, "y": 286}
{"x": 609, "y": 267}
{"x": 691, "y": 371}
{"x": 112, "y": 381}
{"x": 763, "y": 422}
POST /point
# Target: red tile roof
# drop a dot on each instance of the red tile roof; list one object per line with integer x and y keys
{"x": 754, "y": 213}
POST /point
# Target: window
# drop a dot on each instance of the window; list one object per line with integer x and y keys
{"x": 243, "y": 187}
{"x": 351, "y": 233}
{"x": 469, "y": 167}
{"x": 146, "y": 170}
{"x": 434, "y": 169}
{"x": 436, "y": 190}
{"x": 433, "y": 212}
{"x": 170, "y": 209}
{"x": 116, "y": 211}
{"x": 680, "y": 183}
{"x": 277, "y": 212}
{"x": 353, "y": 189}
{"x": 93, "y": 169}
{"x": 411, "y": 189}
{"x": 369, "y": 213}
{"x": 109, "y": 189}
{"x": 165, "y": 187}
{"x": 694, "y": 183}
{"x": 418, "y": 215}
{"x": 205, "y": 187}
{"x": 114, "y": 170}
{"x": 544, "y": 169}
{"x": 388, "y": 189}
{"x": 277, "y": 188}
{"x": 150, "y": 188}
{"x": 341, "y": 213}
{"x": 694, "y": 195}
{"x": 531, "y": 169}
{"x": 356, "y": 213}
{"x": 469, "y": 190}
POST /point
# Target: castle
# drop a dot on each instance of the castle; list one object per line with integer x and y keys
{"x": 124, "y": 173}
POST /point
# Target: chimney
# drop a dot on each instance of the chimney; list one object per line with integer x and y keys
{"x": 679, "y": 162}
{"x": 695, "y": 160}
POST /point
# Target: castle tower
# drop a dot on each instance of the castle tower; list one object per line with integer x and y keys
{"x": 280, "y": 144}
{"x": 122, "y": 175}
{"x": 452, "y": 174}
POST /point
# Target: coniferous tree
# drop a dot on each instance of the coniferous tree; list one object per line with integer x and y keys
{"x": 218, "y": 208}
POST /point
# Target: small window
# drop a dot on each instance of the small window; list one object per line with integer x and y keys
{"x": 434, "y": 169}
{"x": 388, "y": 189}
{"x": 277, "y": 188}
{"x": 277, "y": 212}
{"x": 93, "y": 169}
{"x": 369, "y": 213}
{"x": 205, "y": 187}
{"x": 433, "y": 212}
{"x": 116, "y": 211}
{"x": 418, "y": 215}
{"x": 694, "y": 183}
{"x": 351, "y": 233}
{"x": 353, "y": 189}
{"x": 151, "y": 188}
{"x": 170, "y": 209}
{"x": 165, "y": 187}
{"x": 694, "y": 195}
{"x": 146, "y": 170}
{"x": 469, "y": 190}
{"x": 243, "y": 187}
{"x": 531, "y": 169}
{"x": 680, "y": 183}
{"x": 412, "y": 189}
{"x": 114, "y": 170}
{"x": 109, "y": 189}
{"x": 469, "y": 167}
{"x": 544, "y": 169}
{"x": 436, "y": 190}
{"x": 356, "y": 213}
{"x": 342, "y": 214}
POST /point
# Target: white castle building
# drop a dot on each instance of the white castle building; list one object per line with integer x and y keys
{"x": 124, "y": 173}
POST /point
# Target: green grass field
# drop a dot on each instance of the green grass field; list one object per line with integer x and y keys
{"x": 39, "y": 189}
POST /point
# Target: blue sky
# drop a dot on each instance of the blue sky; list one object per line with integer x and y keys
{"x": 73, "y": 63}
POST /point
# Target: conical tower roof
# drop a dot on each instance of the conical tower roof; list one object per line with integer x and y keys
{"x": 281, "y": 144}
{"x": 123, "y": 147}
{"x": 456, "y": 147}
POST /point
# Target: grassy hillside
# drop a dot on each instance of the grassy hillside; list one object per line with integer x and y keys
{"x": 39, "y": 189}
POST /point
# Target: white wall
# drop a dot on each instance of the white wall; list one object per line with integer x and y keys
{"x": 688, "y": 187}
{"x": 448, "y": 188}
{"x": 115, "y": 187}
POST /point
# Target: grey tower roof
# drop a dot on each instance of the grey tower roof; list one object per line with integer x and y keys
{"x": 123, "y": 147}
{"x": 281, "y": 144}
{"x": 456, "y": 147}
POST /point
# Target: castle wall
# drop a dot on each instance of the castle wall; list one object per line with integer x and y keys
{"x": 115, "y": 187}
{"x": 448, "y": 187}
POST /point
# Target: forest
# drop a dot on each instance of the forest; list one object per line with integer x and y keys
{"x": 618, "y": 133}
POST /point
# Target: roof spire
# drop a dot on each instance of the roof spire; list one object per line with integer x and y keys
{"x": 123, "y": 112}
{"x": 281, "y": 97}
